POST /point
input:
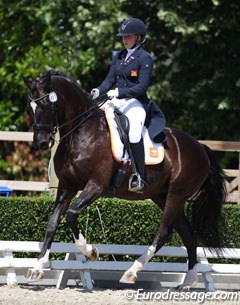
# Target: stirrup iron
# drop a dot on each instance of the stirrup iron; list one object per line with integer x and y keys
{"x": 138, "y": 187}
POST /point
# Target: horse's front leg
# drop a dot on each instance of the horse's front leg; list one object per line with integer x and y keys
{"x": 61, "y": 204}
{"x": 91, "y": 192}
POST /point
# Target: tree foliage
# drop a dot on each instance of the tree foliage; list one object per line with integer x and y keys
{"x": 195, "y": 45}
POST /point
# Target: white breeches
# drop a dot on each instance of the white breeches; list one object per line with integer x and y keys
{"x": 134, "y": 111}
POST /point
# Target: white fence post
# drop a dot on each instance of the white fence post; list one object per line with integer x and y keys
{"x": 11, "y": 277}
{"x": 85, "y": 275}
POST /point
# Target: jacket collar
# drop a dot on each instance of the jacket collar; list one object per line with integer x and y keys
{"x": 131, "y": 58}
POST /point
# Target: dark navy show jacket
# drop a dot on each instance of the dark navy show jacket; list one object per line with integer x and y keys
{"x": 131, "y": 77}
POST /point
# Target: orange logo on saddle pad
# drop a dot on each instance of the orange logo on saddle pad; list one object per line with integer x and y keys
{"x": 153, "y": 152}
{"x": 134, "y": 73}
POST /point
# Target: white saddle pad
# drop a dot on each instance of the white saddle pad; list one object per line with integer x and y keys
{"x": 154, "y": 152}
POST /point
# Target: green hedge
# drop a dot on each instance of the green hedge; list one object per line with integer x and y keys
{"x": 25, "y": 218}
{"x": 124, "y": 222}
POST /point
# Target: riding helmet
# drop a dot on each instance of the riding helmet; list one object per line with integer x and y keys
{"x": 132, "y": 26}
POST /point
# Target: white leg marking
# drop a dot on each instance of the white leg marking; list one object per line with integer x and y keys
{"x": 130, "y": 275}
{"x": 145, "y": 258}
{"x": 42, "y": 262}
{"x": 191, "y": 279}
{"x": 82, "y": 245}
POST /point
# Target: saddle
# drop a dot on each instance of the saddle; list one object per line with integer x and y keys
{"x": 123, "y": 130}
{"x": 119, "y": 129}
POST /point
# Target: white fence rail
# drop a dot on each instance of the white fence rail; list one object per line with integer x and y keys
{"x": 233, "y": 185}
{"x": 75, "y": 267}
{"x": 34, "y": 186}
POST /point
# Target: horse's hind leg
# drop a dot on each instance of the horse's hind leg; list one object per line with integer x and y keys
{"x": 170, "y": 211}
{"x": 189, "y": 239}
{"x": 173, "y": 216}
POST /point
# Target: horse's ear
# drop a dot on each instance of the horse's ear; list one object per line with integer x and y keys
{"x": 27, "y": 81}
{"x": 47, "y": 78}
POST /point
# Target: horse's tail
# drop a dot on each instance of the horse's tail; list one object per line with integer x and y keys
{"x": 207, "y": 218}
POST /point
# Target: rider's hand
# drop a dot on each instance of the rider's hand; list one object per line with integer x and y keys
{"x": 95, "y": 93}
{"x": 113, "y": 93}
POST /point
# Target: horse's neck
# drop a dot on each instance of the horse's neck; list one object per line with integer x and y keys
{"x": 74, "y": 107}
{"x": 72, "y": 116}
{"x": 82, "y": 127}
{"x": 73, "y": 101}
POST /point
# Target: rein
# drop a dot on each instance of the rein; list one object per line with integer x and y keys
{"x": 54, "y": 126}
{"x": 86, "y": 115}
{"x": 104, "y": 98}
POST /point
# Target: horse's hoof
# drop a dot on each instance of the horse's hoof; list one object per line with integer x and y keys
{"x": 94, "y": 255}
{"x": 128, "y": 278}
{"x": 34, "y": 275}
{"x": 185, "y": 287}
{"x": 181, "y": 288}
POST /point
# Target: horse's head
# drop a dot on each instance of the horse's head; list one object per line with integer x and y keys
{"x": 42, "y": 102}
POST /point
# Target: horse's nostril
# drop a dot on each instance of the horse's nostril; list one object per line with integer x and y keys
{"x": 44, "y": 145}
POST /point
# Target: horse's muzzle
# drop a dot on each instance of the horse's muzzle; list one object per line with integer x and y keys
{"x": 43, "y": 145}
{"x": 41, "y": 142}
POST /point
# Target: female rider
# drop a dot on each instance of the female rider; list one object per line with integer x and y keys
{"x": 126, "y": 85}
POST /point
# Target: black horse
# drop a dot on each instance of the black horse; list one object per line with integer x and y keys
{"x": 84, "y": 161}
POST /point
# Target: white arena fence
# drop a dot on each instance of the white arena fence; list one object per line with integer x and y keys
{"x": 75, "y": 270}
{"x": 34, "y": 186}
{"x": 233, "y": 184}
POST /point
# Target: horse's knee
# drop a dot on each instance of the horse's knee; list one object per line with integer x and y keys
{"x": 170, "y": 233}
{"x": 161, "y": 238}
{"x": 50, "y": 232}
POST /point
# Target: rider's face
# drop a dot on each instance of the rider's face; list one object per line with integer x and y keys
{"x": 129, "y": 41}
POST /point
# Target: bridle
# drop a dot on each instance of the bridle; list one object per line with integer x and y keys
{"x": 51, "y": 128}
{"x": 54, "y": 126}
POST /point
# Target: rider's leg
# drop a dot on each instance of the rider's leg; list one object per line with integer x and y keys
{"x": 138, "y": 154}
{"x": 136, "y": 114}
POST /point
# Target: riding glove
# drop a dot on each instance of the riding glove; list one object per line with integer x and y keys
{"x": 95, "y": 93}
{"x": 113, "y": 93}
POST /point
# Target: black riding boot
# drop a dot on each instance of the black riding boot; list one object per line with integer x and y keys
{"x": 137, "y": 183}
